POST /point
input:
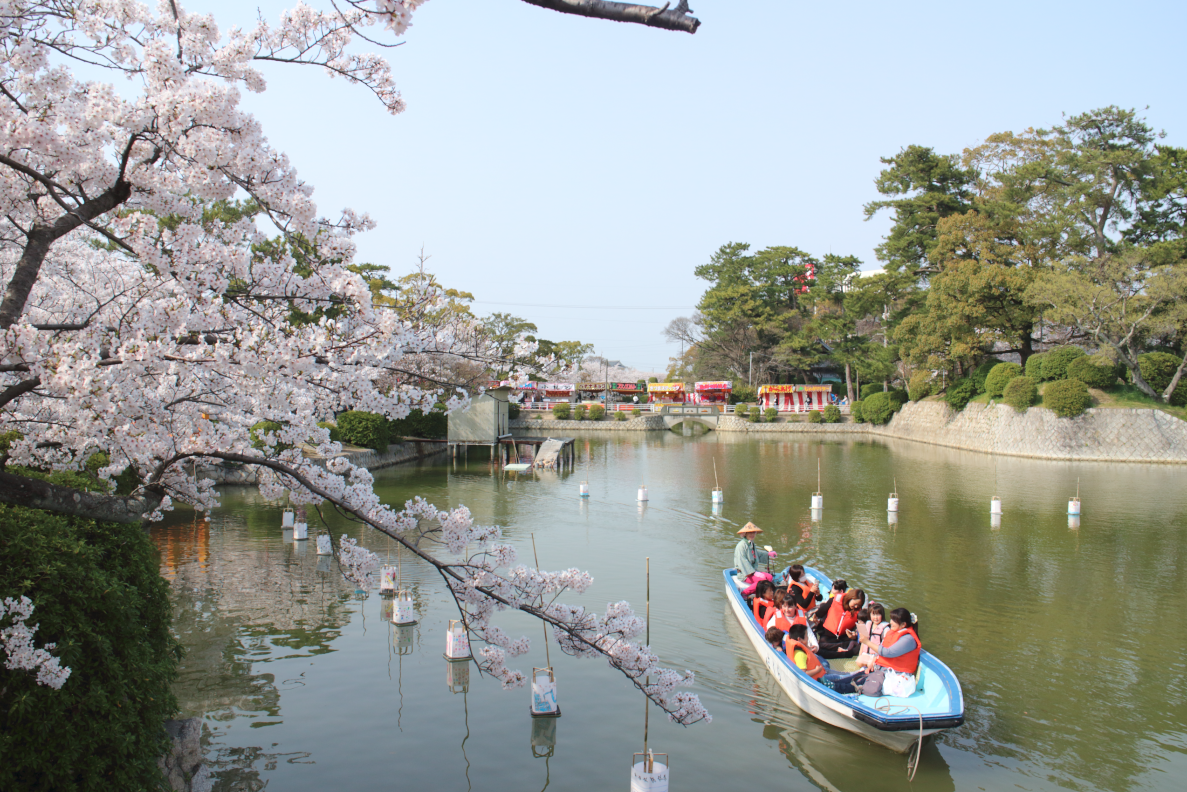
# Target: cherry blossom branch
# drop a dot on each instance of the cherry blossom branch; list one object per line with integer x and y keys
{"x": 673, "y": 19}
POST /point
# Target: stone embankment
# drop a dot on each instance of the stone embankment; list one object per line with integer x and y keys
{"x": 182, "y": 767}
{"x": 397, "y": 453}
{"x": 1099, "y": 435}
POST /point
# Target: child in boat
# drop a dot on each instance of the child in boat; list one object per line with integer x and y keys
{"x": 764, "y": 601}
{"x": 775, "y": 638}
{"x": 836, "y": 593}
{"x": 897, "y": 660}
{"x": 870, "y": 632}
{"x": 803, "y": 590}
{"x": 817, "y": 668}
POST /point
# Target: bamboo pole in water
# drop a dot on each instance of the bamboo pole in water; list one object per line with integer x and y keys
{"x": 647, "y": 763}
{"x": 535, "y": 557}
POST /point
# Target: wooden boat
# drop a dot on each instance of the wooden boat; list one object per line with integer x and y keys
{"x": 897, "y": 723}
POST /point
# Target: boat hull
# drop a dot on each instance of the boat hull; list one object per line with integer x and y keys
{"x": 822, "y": 703}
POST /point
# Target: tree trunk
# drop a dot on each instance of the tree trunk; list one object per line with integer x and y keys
{"x": 37, "y": 494}
{"x": 1170, "y": 389}
{"x": 848, "y": 383}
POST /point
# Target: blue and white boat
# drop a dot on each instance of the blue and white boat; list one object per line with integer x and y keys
{"x": 897, "y": 723}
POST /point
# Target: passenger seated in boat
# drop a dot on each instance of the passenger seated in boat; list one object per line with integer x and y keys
{"x": 764, "y": 601}
{"x": 775, "y": 638}
{"x": 781, "y": 617}
{"x": 838, "y": 633}
{"x": 812, "y": 665}
{"x": 802, "y": 590}
{"x": 897, "y": 660}
{"x": 747, "y": 557}
{"x": 870, "y": 632}
{"x": 836, "y": 593}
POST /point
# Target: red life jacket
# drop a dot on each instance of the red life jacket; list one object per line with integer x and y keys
{"x": 801, "y": 615}
{"x": 814, "y": 668}
{"x": 907, "y": 663}
{"x": 836, "y": 612}
{"x": 781, "y": 622}
{"x": 761, "y": 616}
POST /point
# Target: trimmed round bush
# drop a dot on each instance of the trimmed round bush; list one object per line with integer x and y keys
{"x": 597, "y": 412}
{"x": 742, "y": 410}
{"x": 815, "y": 417}
{"x": 999, "y": 377}
{"x": 366, "y": 429}
{"x": 561, "y": 411}
{"x": 1020, "y": 393}
{"x": 335, "y": 435}
{"x": 1093, "y": 372}
{"x": 832, "y": 414}
{"x": 857, "y": 411}
{"x": 878, "y": 409}
{"x": 959, "y": 393}
{"x": 1066, "y": 398}
{"x": 869, "y": 389}
{"x": 770, "y": 414}
{"x": 619, "y": 415}
{"x": 1057, "y": 360}
{"x": 898, "y": 397}
{"x": 919, "y": 386}
{"x": 636, "y": 412}
{"x": 579, "y": 412}
{"x": 1034, "y": 366}
{"x": 1158, "y": 369}
{"x": 981, "y": 372}
{"x": 755, "y": 414}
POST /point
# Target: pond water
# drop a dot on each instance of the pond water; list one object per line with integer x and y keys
{"x": 1066, "y": 640}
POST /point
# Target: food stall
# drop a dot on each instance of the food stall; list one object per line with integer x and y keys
{"x": 795, "y": 398}
{"x": 624, "y": 392}
{"x": 666, "y": 392}
{"x": 712, "y": 392}
{"x": 590, "y": 391}
{"x": 554, "y": 392}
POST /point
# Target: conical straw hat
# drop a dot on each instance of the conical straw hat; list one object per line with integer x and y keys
{"x": 750, "y": 528}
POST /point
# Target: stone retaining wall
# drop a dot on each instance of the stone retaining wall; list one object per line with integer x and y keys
{"x": 644, "y": 423}
{"x": 732, "y": 423}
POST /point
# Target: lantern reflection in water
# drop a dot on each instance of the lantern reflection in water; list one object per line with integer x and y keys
{"x": 457, "y": 677}
{"x": 402, "y": 637}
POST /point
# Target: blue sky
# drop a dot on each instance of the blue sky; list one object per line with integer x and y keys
{"x": 574, "y": 172}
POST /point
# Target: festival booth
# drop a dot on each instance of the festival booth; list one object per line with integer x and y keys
{"x": 712, "y": 392}
{"x": 558, "y": 392}
{"x": 590, "y": 391}
{"x": 624, "y": 392}
{"x": 795, "y": 398}
{"x": 666, "y": 392}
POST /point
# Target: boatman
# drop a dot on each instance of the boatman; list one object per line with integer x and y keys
{"x": 747, "y": 557}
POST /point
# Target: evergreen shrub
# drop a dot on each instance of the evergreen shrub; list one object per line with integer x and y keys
{"x": 1158, "y": 369}
{"x": 959, "y": 393}
{"x": 98, "y": 594}
{"x": 619, "y": 415}
{"x": 1057, "y": 360}
{"x": 1034, "y": 366}
{"x": 636, "y": 412}
{"x": 814, "y": 416}
{"x": 981, "y": 372}
{"x": 742, "y": 410}
{"x": 579, "y": 412}
{"x": 742, "y": 393}
{"x": 898, "y": 397}
{"x": 999, "y": 377}
{"x": 878, "y": 409}
{"x": 919, "y": 386}
{"x": 597, "y": 412}
{"x": 1020, "y": 393}
{"x": 770, "y": 414}
{"x": 258, "y": 430}
{"x": 335, "y": 435}
{"x": 1067, "y": 398}
{"x": 513, "y": 411}
{"x": 561, "y": 411}
{"x": 869, "y": 389}
{"x": 832, "y": 414}
{"x": 420, "y": 424}
{"x": 755, "y": 414}
{"x": 857, "y": 411}
{"x": 1094, "y": 371}
{"x": 366, "y": 429}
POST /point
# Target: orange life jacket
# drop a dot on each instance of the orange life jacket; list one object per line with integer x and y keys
{"x": 814, "y": 668}
{"x": 760, "y": 616}
{"x": 836, "y": 612}
{"x": 907, "y": 663}
{"x": 781, "y": 622}
{"x": 801, "y": 615}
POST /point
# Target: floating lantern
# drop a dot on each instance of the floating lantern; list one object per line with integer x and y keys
{"x": 642, "y": 494}
{"x": 718, "y": 495}
{"x": 300, "y": 531}
{"x": 324, "y": 545}
{"x": 543, "y": 737}
{"x": 457, "y": 677}
{"x": 457, "y": 642}
{"x": 1073, "y": 521}
{"x": 403, "y": 611}
{"x": 817, "y": 502}
{"x": 544, "y": 703}
{"x": 648, "y": 774}
{"x": 387, "y": 581}
{"x": 403, "y": 639}
{"x": 1073, "y": 506}
{"x": 995, "y": 505}
{"x": 892, "y": 502}
{"x": 287, "y": 519}
{"x": 583, "y": 489}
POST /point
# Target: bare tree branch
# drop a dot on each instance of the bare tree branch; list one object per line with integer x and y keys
{"x": 668, "y": 19}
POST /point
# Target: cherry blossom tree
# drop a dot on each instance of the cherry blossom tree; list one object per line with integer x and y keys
{"x": 169, "y": 284}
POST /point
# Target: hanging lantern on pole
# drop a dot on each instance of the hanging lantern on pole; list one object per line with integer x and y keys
{"x": 403, "y": 612}
{"x": 648, "y": 773}
{"x": 544, "y": 704}
{"x": 457, "y": 642}
{"x": 387, "y": 581}
{"x": 324, "y": 545}
{"x": 287, "y": 519}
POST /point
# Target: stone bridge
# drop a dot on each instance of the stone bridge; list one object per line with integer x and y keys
{"x": 675, "y": 415}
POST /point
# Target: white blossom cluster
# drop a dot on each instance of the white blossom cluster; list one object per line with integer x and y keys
{"x": 19, "y": 651}
{"x": 357, "y": 563}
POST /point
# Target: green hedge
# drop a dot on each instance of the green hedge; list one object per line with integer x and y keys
{"x": 619, "y": 415}
{"x": 597, "y": 412}
{"x": 982, "y": 372}
{"x": 832, "y": 414}
{"x": 335, "y": 435}
{"x": 857, "y": 411}
{"x": 1020, "y": 393}
{"x": 999, "y": 377}
{"x": 919, "y": 386}
{"x": 1056, "y": 361}
{"x": 261, "y": 428}
{"x": 869, "y": 389}
{"x": 1158, "y": 369}
{"x": 770, "y": 414}
{"x": 1093, "y": 371}
{"x": 815, "y": 417}
{"x": 1034, "y": 366}
{"x": 98, "y": 594}
{"x": 636, "y": 412}
{"x": 365, "y": 429}
{"x": 434, "y": 424}
{"x": 1066, "y": 398}
{"x": 579, "y": 412}
{"x": 959, "y": 393}
{"x": 878, "y": 409}
{"x": 561, "y": 411}
{"x": 898, "y": 397}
